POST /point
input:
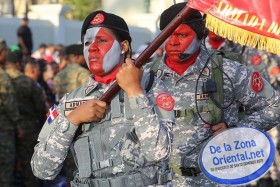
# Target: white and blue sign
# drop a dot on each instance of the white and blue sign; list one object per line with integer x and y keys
{"x": 237, "y": 156}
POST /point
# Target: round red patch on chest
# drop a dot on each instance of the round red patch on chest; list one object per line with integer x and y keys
{"x": 165, "y": 101}
{"x": 257, "y": 82}
{"x": 256, "y": 59}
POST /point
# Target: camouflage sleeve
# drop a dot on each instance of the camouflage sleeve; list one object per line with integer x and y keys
{"x": 8, "y": 99}
{"x": 260, "y": 100}
{"x": 153, "y": 125}
{"x": 54, "y": 142}
{"x": 82, "y": 77}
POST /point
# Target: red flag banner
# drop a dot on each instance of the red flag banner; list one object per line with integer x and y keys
{"x": 255, "y": 23}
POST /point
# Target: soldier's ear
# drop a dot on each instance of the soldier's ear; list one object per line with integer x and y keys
{"x": 124, "y": 46}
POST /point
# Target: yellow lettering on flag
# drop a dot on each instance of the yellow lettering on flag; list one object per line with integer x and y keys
{"x": 239, "y": 13}
{"x": 273, "y": 27}
{"x": 245, "y": 19}
{"x": 233, "y": 13}
{"x": 278, "y": 32}
{"x": 220, "y": 6}
{"x": 262, "y": 24}
{"x": 253, "y": 21}
{"x": 224, "y": 12}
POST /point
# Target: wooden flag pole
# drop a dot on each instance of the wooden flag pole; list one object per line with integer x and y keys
{"x": 155, "y": 44}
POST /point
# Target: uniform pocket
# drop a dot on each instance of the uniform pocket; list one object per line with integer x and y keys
{"x": 83, "y": 158}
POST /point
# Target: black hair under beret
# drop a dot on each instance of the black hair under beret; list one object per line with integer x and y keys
{"x": 103, "y": 19}
{"x": 194, "y": 19}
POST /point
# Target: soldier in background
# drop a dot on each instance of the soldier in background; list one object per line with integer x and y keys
{"x": 257, "y": 59}
{"x": 216, "y": 42}
{"x": 266, "y": 64}
{"x": 32, "y": 109}
{"x": 248, "y": 56}
{"x": 9, "y": 121}
{"x": 273, "y": 67}
{"x": 122, "y": 145}
{"x": 31, "y": 69}
{"x": 185, "y": 68}
{"x": 271, "y": 61}
{"x": 73, "y": 75}
{"x": 24, "y": 35}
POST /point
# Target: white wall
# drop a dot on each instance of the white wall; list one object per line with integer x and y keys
{"x": 41, "y": 30}
{"x": 51, "y": 27}
{"x": 133, "y": 12}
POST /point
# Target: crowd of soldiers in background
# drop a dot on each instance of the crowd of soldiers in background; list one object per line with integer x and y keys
{"x": 40, "y": 79}
{"x": 268, "y": 65}
{"x": 29, "y": 86}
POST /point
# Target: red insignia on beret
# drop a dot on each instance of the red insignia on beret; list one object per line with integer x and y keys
{"x": 99, "y": 18}
{"x": 257, "y": 82}
{"x": 256, "y": 59}
{"x": 165, "y": 101}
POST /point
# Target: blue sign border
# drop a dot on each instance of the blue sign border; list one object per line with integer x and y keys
{"x": 243, "y": 180}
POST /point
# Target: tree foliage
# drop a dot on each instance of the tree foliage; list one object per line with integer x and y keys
{"x": 79, "y": 9}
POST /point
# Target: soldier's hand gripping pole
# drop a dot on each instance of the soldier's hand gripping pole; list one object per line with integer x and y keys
{"x": 155, "y": 44}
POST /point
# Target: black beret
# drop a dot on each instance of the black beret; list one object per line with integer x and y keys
{"x": 194, "y": 19}
{"x": 103, "y": 19}
{"x": 14, "y": 54}
{"x": 74, "y": 49}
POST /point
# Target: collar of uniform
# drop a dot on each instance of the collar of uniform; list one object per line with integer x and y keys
{"x": 91, "y": 85}
{"x": 223, "y": 45}
{"x": 164, "y": 69}
{"x": 167, "y": 71}
{"x": 197, "y": 67}
{"x": 193, "y": 69}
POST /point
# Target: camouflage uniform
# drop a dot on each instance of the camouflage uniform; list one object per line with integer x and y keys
{"x": 126, "y": 148}
{"x": 263, "y": 69}
{"x": 248, "y": 56}
{"x": 70, "y": 78}
{"x": 245, "y": 54}
{"x": 226, "y": 46}
{"x": 67, "y": 80}
{"x": 9, "y": 118}
{"x": 32, "y": 109}
{"x": 262, "y": 111}
{"x": 272, "y": 62}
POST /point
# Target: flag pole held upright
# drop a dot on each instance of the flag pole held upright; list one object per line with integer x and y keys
{"x": 155, "y": 44}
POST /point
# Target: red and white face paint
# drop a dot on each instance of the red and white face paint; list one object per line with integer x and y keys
{"x": 101, "y": 50}
{"x": 183, "y": 41}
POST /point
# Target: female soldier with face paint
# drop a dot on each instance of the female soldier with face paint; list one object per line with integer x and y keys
{"x": 188, "y": 71}
{"x": 122, "y": 144}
